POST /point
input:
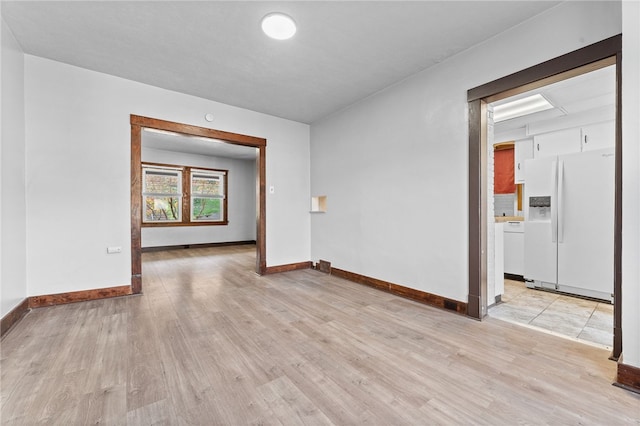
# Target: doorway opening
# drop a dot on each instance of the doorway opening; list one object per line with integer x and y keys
{"x": 582, "y": 61}
{"x": 139, "y": 123}
{"x": 558, "y": 283}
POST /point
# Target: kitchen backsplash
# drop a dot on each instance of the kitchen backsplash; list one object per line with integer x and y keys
{"x": 503, "y": 204}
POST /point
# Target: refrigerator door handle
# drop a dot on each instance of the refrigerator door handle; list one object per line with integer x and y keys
{"x": 554, "y": 199}
{"x": 560, "y": 201}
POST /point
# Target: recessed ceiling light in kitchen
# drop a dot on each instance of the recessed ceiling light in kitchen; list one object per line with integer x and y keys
{"x": 520, "y": 107}
{"x": 278, "y": 26}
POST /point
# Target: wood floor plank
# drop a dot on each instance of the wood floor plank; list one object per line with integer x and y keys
{"x": 209, "y": 342}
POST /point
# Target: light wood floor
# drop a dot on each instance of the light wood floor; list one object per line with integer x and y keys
{"x": 212, "y": 343}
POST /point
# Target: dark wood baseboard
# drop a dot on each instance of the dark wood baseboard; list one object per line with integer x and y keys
{"x": 628, "y": 377}
{"x": 201, "y": 245}
{"x": 13, "y": 316}
{"x": 79, "y": 296}
{"x": 409, "y": 293}
{"x": 286, "y": 268}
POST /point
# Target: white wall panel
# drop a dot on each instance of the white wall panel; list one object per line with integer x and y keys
{"x": 13, "y": 284}
{"x": 631, "y": 183}
{"x": 395, "y": 166}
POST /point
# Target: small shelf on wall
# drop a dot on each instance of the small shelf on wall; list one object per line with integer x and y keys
{"x": 319, "y": 204}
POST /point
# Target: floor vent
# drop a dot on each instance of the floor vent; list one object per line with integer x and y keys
{"x": 324, "y": 266}
{"x": 451, "y": 305}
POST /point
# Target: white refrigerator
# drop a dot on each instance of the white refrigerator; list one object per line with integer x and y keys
{"x": 568, "y": 230}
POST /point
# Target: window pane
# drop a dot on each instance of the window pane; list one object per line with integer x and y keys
{"x": 162, "y": 182}
{"x": 162, "y": 209}
{"x": 208, "y": 209}
{"x": 205, "y": 185}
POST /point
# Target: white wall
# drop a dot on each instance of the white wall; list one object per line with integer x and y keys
{"x": 241, "y": 198}
{"x": 395, "y": 166}
{"x": 13, "y": 284}
{"x": 78, "y": 177}
{"x": 631, "y": 183}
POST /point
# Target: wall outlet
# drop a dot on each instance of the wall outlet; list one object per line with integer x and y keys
{"x": 112, "y": 250}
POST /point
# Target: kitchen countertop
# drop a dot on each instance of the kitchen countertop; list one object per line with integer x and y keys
{"x": 500, "y": 219}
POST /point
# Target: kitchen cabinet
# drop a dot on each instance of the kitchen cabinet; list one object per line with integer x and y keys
{"x": 523, "y": 151}
{"x": 598, "y": 136}
{"x": 557, "y": 143}
{"x": 514, "y": 248}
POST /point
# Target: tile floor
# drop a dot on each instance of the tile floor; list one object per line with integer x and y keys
{"x": 572, "y": 317}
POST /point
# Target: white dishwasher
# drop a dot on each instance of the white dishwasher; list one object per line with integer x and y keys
{"x": 514, "y": 248}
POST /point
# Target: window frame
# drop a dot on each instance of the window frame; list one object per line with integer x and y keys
{"x": 179, "y": 194}
{"x": 220, "y": 175}
{"x": 185, "y": 210}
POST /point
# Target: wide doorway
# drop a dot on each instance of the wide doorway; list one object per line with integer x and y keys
{"x": 582, "y": 61}
{"x": 183, "y": 156}
{"x": 551, "y": 190}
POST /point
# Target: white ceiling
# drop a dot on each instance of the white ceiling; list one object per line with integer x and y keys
{"x": 588, "y": 95}
{"x": 176, "y": 142}
{"x": 342, "y": 52}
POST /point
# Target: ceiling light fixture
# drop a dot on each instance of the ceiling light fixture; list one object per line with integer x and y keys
{"x": 520, "y": 107}
{"x": 278, "y": 26}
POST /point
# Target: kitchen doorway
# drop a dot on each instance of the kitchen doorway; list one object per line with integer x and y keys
{"x": 549, "y": 285}
{"x": 582, "y": 61}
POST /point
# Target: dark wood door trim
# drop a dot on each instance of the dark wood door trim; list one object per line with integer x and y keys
{"x": 137, "y": 123}
{"x": 599, "y": 54}
{"x": 476, "y": 307}
{"x": 554, "y": 67}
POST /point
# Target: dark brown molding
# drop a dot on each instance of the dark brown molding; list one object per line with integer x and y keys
{"x": 200, "y": 245}
{"x": 398, "y": 290}
{"x": 136, "y": 209}
{"x": 236, "y": 138}
{"x": 477, "y": 235}
{"x": 79, "y": 296}
{"x": 12, "y": 318}
{"x": 628, "y": 377}
{"x": 289, "y": 267}
{"x": 182, "y": 224}
{"x": 617, "y": 219}
{"x": 261, "y": 237}
{"x": 589, "y": 54}
{"x": 137, "y": 124}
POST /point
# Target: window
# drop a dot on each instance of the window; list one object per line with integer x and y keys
{"x": 207, "y": 196}
{"x": 162, "y": 194}
{"x": 181, "y": 195}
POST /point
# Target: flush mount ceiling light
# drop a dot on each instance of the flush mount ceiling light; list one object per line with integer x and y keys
{"x": 520, "y": 107}
{"x": 278, "y": 26}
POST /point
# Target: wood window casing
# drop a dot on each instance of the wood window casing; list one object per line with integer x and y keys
{"x": 186, "y": 198}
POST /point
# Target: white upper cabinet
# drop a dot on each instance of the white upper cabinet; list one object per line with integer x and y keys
{"x": 523, "y": 151}
{"x": 557, "y": 143}
{"x": 598, "y": 136}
